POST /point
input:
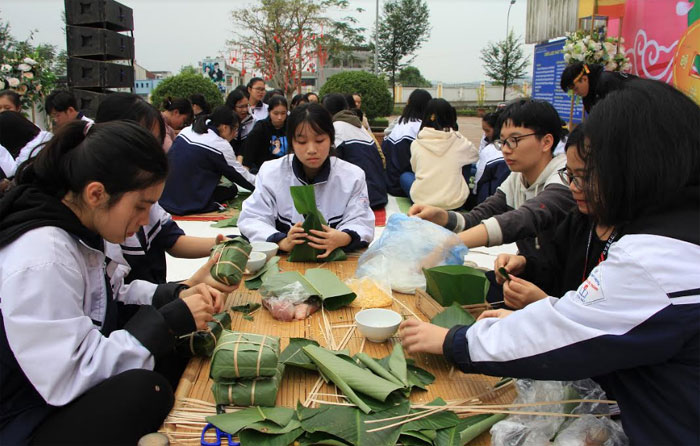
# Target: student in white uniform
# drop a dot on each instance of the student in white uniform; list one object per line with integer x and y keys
{"x": 68, "y": 374}
{"x": 340, "y": 188}
{"x": 21, "y": 140}
{"x": 256, "y": 93}
{"x": 62, "y": 107}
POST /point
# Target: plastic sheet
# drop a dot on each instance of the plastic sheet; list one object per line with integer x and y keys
{"x": 291, "y": 302}
{"x": 592, "y": 431}
{"x": 400, "y": 253}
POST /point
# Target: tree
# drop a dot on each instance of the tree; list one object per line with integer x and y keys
{"x": 411, "y": 77}
{"x": 403, "y": 28}
{"x": 188, "y": 69}
{"x": 280, "y": 39}
{"x": 185, "y": 85}
{"x": 376, "y": 100}
{"x": 504, "y": 61}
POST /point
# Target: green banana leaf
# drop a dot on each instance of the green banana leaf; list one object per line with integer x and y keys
{"x": 271, "y": 428}
{"x": 234, "y": 257}
{"x": 351, "y": 378}
{"x": 294, "y": 356}
{"x": 453, "y": 315}
{"x": 434, "y": 422}
{"x": 417, "y": 438}
{"x": 233, "y": 422}
{"x": 471, "y": 427}
{"x": 250, "y": 437}
{"x": 397, "y": 364}
{"x": 244, "y": 355}
{"x": 202, "y": 343}
{"x": 417, "y": 377}
{"x": 378, "y": 370}
{"x": 246, "y": 309}
{"x": 456, "y": 283}
{"x": 304, "y": 199}
{"x": 317, "y": 282}
{"x": 271, "y": 267}
{"x": 348, "y": 423}
{"x": 321, "y": 438}
{"x": 248, "y": 392}
{"x": 226, "y": 223}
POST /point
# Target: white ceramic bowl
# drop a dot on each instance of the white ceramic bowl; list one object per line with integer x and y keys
{"x": 267, "y": 248}
{"x": 378, "y": 324}
{"x": 256, "y": 260}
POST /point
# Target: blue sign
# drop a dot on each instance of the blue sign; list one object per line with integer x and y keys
{"x": 546, "y": 77}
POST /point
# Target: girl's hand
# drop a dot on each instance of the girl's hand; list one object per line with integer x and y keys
{"x": 210, "y": 294}
{"x": 328, "y": 239}
{"x": 519, "y": 293}
{"x": 295, "y": 236}
{"x": 430, "y": 213}
{"x": 418, "y": 336}
{"x": 500, "y": 314}
{"x": 201, "y": 308}
{"x": 203, "y": 276}
{"x": 514, "y": 264}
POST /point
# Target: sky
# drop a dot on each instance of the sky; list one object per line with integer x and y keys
{"x": 170, "y": 34}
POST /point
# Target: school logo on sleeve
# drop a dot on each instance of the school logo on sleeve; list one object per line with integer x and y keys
{"x": 589, "y": 292}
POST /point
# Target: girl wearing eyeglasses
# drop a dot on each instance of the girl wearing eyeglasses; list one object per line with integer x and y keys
{"x": 256, "y": 91}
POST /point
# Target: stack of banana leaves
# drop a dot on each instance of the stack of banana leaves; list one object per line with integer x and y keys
{"x": 377, "y": 393}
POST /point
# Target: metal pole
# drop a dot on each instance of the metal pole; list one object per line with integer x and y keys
{"x": 512, "y": 2}
{"x": 505, "y": 79}
{"x": 376, "y": 40}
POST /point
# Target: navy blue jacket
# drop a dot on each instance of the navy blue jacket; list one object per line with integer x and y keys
{"x": 397, "y": 151}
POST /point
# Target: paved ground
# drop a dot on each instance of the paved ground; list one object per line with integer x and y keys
{"x": 468, "y": 126}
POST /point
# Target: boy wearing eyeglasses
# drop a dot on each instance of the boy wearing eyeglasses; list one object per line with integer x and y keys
{"x": 531, "y": 202}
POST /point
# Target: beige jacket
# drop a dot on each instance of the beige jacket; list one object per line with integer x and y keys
{"x": 437, "y": 158}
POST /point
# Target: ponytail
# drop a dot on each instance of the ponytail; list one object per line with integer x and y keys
{"x": 121, "y": 155}
{"x": 222, "y": 115}
{"x": 181, "y": 105}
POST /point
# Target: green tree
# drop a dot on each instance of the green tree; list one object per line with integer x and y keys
{"x": 282, "y": 38}
{"x": 183, "y": 86}
{"x": 376, "y": 100}
{"x": 188, "y": 69}
{"x": 403, "y": 28}
{"x": 411, "y": 77}
{"x": 504, "y": 61}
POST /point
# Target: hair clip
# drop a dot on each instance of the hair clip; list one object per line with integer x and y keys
{"x": 87, "y": 128}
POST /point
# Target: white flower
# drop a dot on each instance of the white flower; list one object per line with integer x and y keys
{"x": 611, "y": 66}
{"x": 579, "y": 57}
{"x": 24, "y": 67}
{"x": 6, "y": 68}
{"x": 580, "y": 46}
{"x": 29, "y": 61}
{"x": 599, "y": 54}
{"x": 567, "y": 57}
{"x": 13, "y": 81}
{"x": 28, "y": 75}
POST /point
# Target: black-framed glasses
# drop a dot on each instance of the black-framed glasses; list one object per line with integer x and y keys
{"x": 568, "y": 178}
{"x": 511, "y": 142}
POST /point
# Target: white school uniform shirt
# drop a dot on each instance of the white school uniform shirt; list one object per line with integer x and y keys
{"x": 9, "y": 165}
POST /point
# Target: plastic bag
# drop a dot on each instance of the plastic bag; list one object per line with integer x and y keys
{"x": 592, "y": 431}
{"x": 398, "y": 255}
{"x": 290, "y": 302}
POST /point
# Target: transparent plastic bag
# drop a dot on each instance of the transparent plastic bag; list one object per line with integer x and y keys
{"x": 399, "y": 254}
{"x": 290, "y": 302}
{"x": 592, "y": 431}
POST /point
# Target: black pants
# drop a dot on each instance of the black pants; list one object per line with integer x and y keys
{"x": 120, "y": 410}
{"x": 223, "y": 194}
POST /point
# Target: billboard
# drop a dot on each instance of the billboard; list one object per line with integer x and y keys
{"x": 215, "y": 70}
{"x": 546, "y": 74}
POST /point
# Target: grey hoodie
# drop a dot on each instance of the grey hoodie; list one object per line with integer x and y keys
{"x": 527, "y": 215}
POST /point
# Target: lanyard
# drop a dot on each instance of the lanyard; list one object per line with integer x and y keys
{"x": 603, "y": 254}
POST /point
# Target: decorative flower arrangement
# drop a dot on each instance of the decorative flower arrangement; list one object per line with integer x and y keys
{"x": 27, "y": 76}
{"x": 581, "y": 47}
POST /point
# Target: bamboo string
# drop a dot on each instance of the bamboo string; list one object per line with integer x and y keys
{"x": 406, "y": 307}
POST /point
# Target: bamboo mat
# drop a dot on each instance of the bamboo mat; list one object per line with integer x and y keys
{"x": 296, "y": 384}
{"x": 209, "y": 216}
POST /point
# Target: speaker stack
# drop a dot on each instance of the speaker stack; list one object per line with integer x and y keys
{"x": 100, "y": 54}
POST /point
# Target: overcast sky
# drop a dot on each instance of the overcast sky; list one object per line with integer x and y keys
{"x": 172, "y": 33}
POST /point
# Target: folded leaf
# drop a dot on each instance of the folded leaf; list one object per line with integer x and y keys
{"x": 375, "y": 367}
{"x": 294, "y": 356}
{"x": 271, "y": 267}
{"x": 248, "y": 392}
{"x": 397, "y": 364}
{"x": 321, "y": 438}
{"x": 251, "y": 437}
{"x": 471, "y": 427}
{"x": 247, "y": 308}
{"x": 226, "y": 223}
{"x": 456, "y": 283}
{"x": 453, "y": 315}
{"x": 233, "y": 422}
{"x": 351, "y": 378}
{"x": 417, "y": 377}
{"x": 304, "y": 199}
{"x": 202, "y": 343}
{"x": 333, "y": 291}
{"x": 244, "y": 355}
{"x": 231, "y": 264}
{"x": 416, "y": 438}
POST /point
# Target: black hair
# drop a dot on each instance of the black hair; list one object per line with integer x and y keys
{"x": 13, "y": 96}
{"x": 183, "y": 106}
{"x": 415, "y": 107}
{"x": 60, "y": 101}
{"x": 277, "y": 100}
{"x": 243, "y": 89}
{"x": 235, "y": 96}
{"x": 221, "y": 115}
{"x": 535, "y": 114}
{"x": 121, "y": 155}
{"x": 254, "y": 81}
{"x": 564, "y": 129}
{"x": 640, "y": 162}
{"x": 271, "y": 93}
{"x": 334, "y": 103}
{"x": 311, "y": 93}
{"x": 130, "y": 107}
{"x": 439, "y": 115}
{"x": 575, "y": 139}
{"x": 201, "y": 101}
{"x": 350, "y": 100}
{"x": 491, "y": 119}
{"x": 313, "y": 114}
{"x": 16, "y": 131}
{"x": 572, "y": 71}
{"x": 297, "y": 100}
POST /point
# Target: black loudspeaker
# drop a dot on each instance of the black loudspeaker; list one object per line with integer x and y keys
{"x": 98, "y": 43}
{"x": 88, "y": 101}
{"x": 99, "y": 13}
{"x": 84, "y": 73}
